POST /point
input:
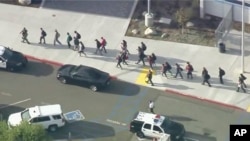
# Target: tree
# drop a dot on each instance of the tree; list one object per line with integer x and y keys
{"x": 23, "y": 132}
{"x": 183, "y": 15}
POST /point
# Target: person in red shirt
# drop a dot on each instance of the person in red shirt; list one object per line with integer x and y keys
{"x": 103, "y": 44}
{"x": 189, "y": 69}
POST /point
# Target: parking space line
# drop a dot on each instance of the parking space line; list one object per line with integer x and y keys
{"x": 22, "y": 101}
{"x": 5, "y": 94}
{"x": 116, "y": 122}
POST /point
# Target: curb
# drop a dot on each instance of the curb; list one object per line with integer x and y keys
{"x": 173, "y": 92}
{"x": 55, "y": 63}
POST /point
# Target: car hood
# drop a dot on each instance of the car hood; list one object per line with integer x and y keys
{"x": 65, "y": 69}
{"x": 15, "y": 119}
{"x": 17, "y": 57}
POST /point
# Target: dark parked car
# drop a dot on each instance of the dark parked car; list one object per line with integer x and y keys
{"x": 83, "y": 75}
{"x": 12, "y": 60}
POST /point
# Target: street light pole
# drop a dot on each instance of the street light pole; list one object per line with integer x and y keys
{"x": 242, "y": 37}
{"x": 149, "y": 6}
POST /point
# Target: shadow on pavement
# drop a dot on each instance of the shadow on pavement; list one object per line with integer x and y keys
{"x": 112, "y": 8}
{"x": 83, "y": 130}
{"x": 190, "y": 136}
{"x": 122, "y": 88}
{"x": 37, "y": 69}
{"x": 180, "y": 118}
{"x": 6, "y": 110}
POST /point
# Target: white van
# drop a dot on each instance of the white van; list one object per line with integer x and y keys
{"x": 49, "y": 116}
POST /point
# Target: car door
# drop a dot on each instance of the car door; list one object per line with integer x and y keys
{"x": 3, "y": 63}
{"x": 157, "y": 131}
{"x": 147, "y": 130}
{"x": 81, "y": 80}
{"x": 43, "y": 121}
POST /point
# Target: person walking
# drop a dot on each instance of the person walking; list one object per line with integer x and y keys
{"x": 119, "y": 60}
{"x": 103, "y": 44}
{"x": 56, "y": 39}
{"x": 205, "y": 77}
{"x": 189, "y": 69}
{"x": 141, "y": 56}
{"x": 151, "y": 106}
{"x": 168, "y": 68}
{"x": 243, "y": 78}
{"x": 81, "y": 49}
{"x": 124, "y": 56}
{"x": 98, "y": 47}
{"x": 43, "y": 35}
{"x": 24, "y": 33}
{"x": 178, "y": 71}
{"x": 76, "y": 43}
{"x": 150, "y": 61}
{"x": 149, "y": 77}
{"x": 221, "y": 74}
{"x": 240, "y": 85}
{"x": 164, "y": 70}
{"x": 77, "y": 35}
{"x": 143, "y": 46}
{"x": 124, "y": 46}
{"x": 154, "y": 58}
{"x": 69, "y": 39}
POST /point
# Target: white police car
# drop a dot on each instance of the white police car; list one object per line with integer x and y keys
{"x": 12, "y": 60}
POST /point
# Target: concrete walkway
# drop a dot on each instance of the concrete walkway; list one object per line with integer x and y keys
{"x": 113, "y": 27}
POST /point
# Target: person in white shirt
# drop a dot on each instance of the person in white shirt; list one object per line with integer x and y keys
{"x": 151, "y": 106}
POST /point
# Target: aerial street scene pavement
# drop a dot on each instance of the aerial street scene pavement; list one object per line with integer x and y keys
{"x": 85, "y": 70}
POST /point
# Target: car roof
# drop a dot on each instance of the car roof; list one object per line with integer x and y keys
{"x": 45, "y": 110}
{"x": 150, "y": 118}
{"x": 2, "y": 49}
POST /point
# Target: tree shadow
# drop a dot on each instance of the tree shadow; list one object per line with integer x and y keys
{"x": 37, "y": 69}
{"x": 118, "y": 8}
{"x": 83, "y": 130}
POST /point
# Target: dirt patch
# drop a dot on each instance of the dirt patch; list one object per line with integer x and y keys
{"x": 201, "y": 31}
{"x": 35, "y": 3}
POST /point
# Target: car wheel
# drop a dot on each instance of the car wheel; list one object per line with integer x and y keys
{"x": 93, "y": 88}
{"x": 140, "y": 135}
{"x": 62, "y": 80}
{"x": 53, "y": 128}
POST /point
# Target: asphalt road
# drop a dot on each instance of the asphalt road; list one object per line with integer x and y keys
{"x": 108, "y": 113}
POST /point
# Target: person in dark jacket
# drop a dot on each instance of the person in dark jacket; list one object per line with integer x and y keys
{"x": 178, "y": 71}
{"x": 81, "y": 49}
{"x": 119, "y": 60}
{"x": 168, "y": 68}
{"x": 69, "y": 39}
{"x": 43, "y": 34}
{"x": 76, "y": 43}
{"x": 124, "y": 56}
{"x": 205, "y": 77}
{"x": 240, "y": 85}
{"x": 163, "y": 70}
{"x": 221, "y": 74}
{"x": 56, "y": 38}
{"x": 98, "y": 47}
{"x": 141, "y": 56}
{"x": 243, "y": 78}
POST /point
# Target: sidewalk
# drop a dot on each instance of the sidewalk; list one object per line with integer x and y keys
{"x": 92, "y": 26}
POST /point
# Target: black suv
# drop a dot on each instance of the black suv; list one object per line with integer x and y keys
{"x": 12, "y": 60}
{"x": 143, "y": 127}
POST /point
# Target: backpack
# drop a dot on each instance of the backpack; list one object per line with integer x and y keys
{"x": 44, "y": 33}
{"x": 223, "y": 72}
{"x": 144, "y": 47}
{"x": 191, "y": 68}
{"x": 105, "y": 43}
{"x": 78, "y": 36}
{"x": 169, "y": 67}
{"x": 70, "y": 38}
{"x": 208, "y": 76}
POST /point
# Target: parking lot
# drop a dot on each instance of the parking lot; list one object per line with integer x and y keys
{"x": 105, "y": 115}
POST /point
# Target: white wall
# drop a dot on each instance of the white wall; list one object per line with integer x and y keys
{"x": 220, "y": 8}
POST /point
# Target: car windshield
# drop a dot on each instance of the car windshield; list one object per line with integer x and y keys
{"x": 166, "y": 123}
{"x": 7, "y": 53}
{"x": 25, "y": 115}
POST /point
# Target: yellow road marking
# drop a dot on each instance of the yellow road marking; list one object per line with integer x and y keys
{"x": 142, "y": 76}
{"x": 248, "y": 109}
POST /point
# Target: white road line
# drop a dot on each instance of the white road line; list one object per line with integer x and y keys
{"x": 116, "y": 122}
{"x": 5, "y": 94}
{"x": 16, "y": 103}
{"x": 190, "y": 139}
